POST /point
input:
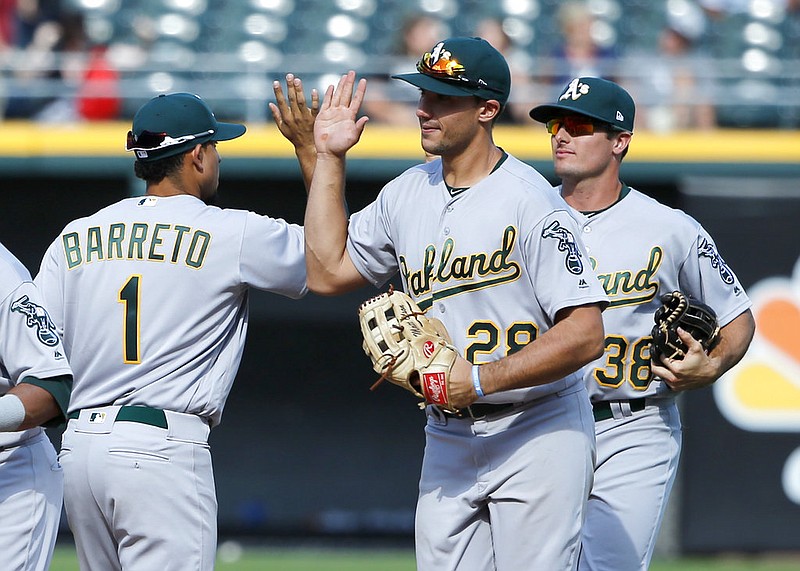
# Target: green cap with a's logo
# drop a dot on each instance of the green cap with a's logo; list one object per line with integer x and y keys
{"x": 171, "y": 124}
{"x": 594, "y": 97}
{"x": 461, "y": 67}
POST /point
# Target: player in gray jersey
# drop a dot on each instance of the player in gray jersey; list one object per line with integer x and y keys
{"x": 150, "y": 296}
{"x": 35, "y": 381}
{"x": 640, "y": 250}
{"x": 482, "y": 243}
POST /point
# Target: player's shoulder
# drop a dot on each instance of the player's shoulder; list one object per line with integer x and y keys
{"x": 530, "y": 189}
{"x": 12, "y": 272}
{"x": 524, "y": 174}
{"x": 654, "y": 210}
{"x": 430, "y": 170}
{"x": 106, "y": 212}
{"x": 418, "y": 178}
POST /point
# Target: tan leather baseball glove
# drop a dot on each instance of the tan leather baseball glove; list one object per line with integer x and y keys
{"x": 407, "y": 348}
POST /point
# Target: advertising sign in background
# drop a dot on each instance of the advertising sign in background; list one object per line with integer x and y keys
{"x": 741, "y": 459}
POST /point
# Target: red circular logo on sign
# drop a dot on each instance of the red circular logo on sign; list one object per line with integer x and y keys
{"x": 428, "y": 348}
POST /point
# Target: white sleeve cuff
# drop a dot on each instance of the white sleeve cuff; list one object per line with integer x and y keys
{"x": 12, "y": 413}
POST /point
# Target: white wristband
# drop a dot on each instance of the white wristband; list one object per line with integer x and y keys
{"x": 476, "y": 380}
{"x": 12, "y": 413}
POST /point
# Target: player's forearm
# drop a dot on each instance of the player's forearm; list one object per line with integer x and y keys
{"x": 566, "y": 347}
{"x": 307, "y": 158}
{"x": 327, "y": 262}
{"x": 734, "y": 339}
{"x": 40, "y": 406}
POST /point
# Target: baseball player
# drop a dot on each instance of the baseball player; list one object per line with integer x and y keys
{"x": 35, "y": 381}
{"x": 150, "y": 296}
{"x": 482, "y": 243}
{"x": 640, "y": 250}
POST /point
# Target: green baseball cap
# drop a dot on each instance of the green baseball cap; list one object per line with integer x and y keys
{"x": 171, "y": 124}
{"x": 461, "y": 67}
{"x": 594, "y": 97}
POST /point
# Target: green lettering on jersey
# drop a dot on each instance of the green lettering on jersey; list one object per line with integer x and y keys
{"x": 197, "y": 249}
{"x": 626, "y": 287}
{"x": 136, "y": 241}
{"x": 179, "y": 232}
{"x": 155, "y": 242}
{"x": 116, "y": 234}
{"x": 470, "y": 270}
{"x": 136, "y": 245}
{"x": 72, "y": 249}
{"x": 94, "y": 243}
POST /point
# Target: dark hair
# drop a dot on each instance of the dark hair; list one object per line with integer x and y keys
{"x": 156, "y": 171}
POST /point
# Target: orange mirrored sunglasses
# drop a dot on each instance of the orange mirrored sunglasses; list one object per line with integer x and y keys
{"x": 575, "y": 125}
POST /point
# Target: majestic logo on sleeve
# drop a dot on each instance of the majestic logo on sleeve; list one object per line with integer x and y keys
{"x": 566, "y": 243}
{"x": 36, "y": 316}
{"x": 706, "y": 249}
{"x": 469, "y": 272}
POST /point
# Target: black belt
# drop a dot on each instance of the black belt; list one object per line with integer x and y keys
{"x": 602, "y": 409}
{"x": 141, "y": 414}
{"x": 480, "y": 410}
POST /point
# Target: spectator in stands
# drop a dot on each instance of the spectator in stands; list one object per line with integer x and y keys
{"x": 523, "y": 95}
{"x": 719, "y": 9}
{"x": 675, "y": 85}
{"x": 35, "y": 33}
{"x": 579, "y": 53}
{"x": 389, "y": 102}
{"x": 98, "y": 97}
{"x": 51, "y": 43}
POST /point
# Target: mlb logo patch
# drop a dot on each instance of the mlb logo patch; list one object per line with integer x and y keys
{"x": 148, "y": 201}
{"x": 97, "y": 418}
{"x": 434, "y": 386}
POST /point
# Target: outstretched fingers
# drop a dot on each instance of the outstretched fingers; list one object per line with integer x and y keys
{"x": 358, "y": 97}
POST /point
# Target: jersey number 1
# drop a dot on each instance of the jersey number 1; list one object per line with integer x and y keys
{"x": 129, "y": 295}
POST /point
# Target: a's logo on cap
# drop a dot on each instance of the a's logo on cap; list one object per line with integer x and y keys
{"x": 574, "y": 90}
{"x": 440, "y": 62}
{"x": 620, "y": 116}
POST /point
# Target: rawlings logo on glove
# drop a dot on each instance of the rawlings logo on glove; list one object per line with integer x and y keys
{"x": 410, "y": 350}
{"x": 679, "y": 310}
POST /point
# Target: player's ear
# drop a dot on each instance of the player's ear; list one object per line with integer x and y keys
{"x": 621, "y": 142}
{"x": 490, "y": 109}
{"x": 197, "y": 156}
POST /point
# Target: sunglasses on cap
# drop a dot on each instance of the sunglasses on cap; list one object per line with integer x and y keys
{"x": 576, "y": 125}
{"x": 449, "y": 69}
{"x": 149, "y": 141}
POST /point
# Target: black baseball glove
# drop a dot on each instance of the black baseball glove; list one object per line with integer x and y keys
{"x": 694, "y": 317}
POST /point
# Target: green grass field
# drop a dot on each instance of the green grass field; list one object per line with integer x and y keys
{"x": 233, "y": 558}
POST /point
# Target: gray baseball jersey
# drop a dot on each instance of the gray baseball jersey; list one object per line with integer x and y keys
{"x": 31, "y": 480}
{"x": 641, "y": 249}
{"x": 151, "y": 297}
{"x": 495, "y": 263}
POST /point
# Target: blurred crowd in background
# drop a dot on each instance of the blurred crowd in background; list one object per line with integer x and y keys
{"x": 690, "y": 64}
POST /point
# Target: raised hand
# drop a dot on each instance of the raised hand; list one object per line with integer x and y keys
{"x": 295, "y": 120}
{"x": 337, "y": 127}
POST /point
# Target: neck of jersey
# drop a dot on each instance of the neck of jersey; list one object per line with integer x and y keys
{"x": 456, "y": 190}
{"x": 622, "y": 194}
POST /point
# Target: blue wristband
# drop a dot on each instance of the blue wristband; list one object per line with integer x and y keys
{"x": 476, "y": 380}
